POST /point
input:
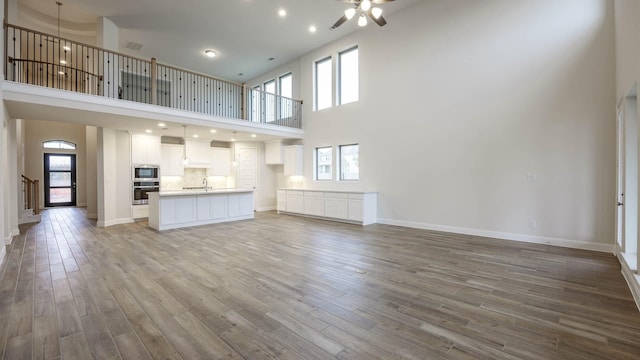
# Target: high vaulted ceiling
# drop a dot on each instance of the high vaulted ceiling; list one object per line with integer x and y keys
{"x": 245, "y": 33}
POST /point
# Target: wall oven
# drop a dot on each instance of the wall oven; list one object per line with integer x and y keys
{"x": 146, "y": 179}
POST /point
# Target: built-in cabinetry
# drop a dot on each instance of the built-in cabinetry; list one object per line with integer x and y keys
{"x": 273, "y": 152}
{"x": 358, "y": 207}
{"x": 293, "y": 165}
{"x": 145, "y": 149}
{"x": 220, "y": 162}
{"x": 171, "y": 164}
{"x": 177, "y": 209}
{"x": 198, "y": 153}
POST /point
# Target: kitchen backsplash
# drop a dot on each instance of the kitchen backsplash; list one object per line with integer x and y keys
{"x": 193, "y": 178}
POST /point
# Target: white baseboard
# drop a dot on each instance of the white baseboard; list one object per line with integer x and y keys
{"x": 92, "y": 216}
{"x": 266, "y": 208}
{"x": 114, "y": 222}
{"x": 574, "y": 244}
{"x": 82, "y": 205}
{"x": 633, "y": 279}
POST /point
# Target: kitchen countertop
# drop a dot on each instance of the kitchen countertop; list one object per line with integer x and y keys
{"x": 329, "y": 190}
{"x": 200, "y": 192}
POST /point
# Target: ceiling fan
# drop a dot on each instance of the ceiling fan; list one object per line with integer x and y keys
{"x": 365, "y": 8}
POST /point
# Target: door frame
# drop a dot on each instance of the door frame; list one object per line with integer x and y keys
{"x": 620, "y": 176}
{"x": 45, "y": 182}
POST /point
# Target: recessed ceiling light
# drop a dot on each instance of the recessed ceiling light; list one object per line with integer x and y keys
{"x": 148, "y": 131}
{"x": 213, "y": 131}
{"x": 210, "y": 53}
{"x": 312, "y": 29}
{"x": 195, "y": 135}
{"x": 63, "y": 62}
{"x": 253, "y": 135}
{"x": 162, "y": 124}
{"x": 282, "y": 12}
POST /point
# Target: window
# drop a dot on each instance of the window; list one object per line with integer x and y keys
{"x": 323, "y": 163}
{"x": 323, "y": 83}
{"x": 348, "y": 76}
{"x": 270, "y": 100}
{"x": 349, "y": 162}
{"x": 59, "y": 144}
{"x": 255, "y": 104}
{"x": 286, "y": 91}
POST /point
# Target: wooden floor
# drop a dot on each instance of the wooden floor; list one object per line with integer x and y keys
{"x": 292, "y": 288}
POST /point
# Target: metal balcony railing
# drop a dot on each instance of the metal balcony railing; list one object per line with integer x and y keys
{"x": 50, "y": 61}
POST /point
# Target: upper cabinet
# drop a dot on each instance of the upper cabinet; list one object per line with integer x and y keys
{"x": 220, "y": 162}
{"x": 198, "y": 153}
{"x": 273, "y": 152}
{"x": 171, "y": 164}
{"x": 293, "y": 160}
{"x": 145, "y": 149}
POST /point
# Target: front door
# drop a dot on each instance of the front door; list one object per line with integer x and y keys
{"x": 59, "y": 180}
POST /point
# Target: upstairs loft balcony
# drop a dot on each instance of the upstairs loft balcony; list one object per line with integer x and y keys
{"x": 49, "y": 61}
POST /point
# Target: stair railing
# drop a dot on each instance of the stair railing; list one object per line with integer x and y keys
{"x": 31, "y": 194}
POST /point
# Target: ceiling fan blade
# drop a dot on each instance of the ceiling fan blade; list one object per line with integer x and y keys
{"x": 380, "y": 20}
{"x": 381, "y": 1}
{"x": 339, "y": 22}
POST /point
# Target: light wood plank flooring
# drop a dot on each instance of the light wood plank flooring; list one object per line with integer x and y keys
{"x": 293, "y": 288}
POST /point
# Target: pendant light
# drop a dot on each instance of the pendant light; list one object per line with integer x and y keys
{"x": 233, "y": 150}
{"x": 185, "y": 160}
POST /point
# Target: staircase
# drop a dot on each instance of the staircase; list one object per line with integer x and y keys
{"x": 30, "y": 211}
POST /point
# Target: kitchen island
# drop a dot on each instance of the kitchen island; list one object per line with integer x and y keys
{"x": 184, "y": 208}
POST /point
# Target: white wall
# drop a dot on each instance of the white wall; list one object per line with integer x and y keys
{"x": 461, "y": 100}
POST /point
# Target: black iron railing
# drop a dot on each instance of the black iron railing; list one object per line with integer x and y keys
{"x": 45, "y": 60}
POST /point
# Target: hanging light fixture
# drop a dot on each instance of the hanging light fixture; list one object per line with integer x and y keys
{"x": 185, "y": 160}
{"x": 233, "y": 149}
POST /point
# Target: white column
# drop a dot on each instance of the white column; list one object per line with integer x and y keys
{"x": 92, "y": 171}
{"x": 106, "y": 184}
{"x": 12, "y": 162}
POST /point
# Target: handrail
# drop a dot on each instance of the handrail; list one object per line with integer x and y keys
{"x": 37, "y": 58}
{"x": 31, "y": 194}
{"x": 11, "y": 60}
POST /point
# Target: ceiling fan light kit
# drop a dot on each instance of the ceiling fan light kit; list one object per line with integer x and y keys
{"x": 365, "y": 8}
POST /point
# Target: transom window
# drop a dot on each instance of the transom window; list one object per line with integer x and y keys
{"x": 59, "y": 144}
{"x": 348, "y": 76}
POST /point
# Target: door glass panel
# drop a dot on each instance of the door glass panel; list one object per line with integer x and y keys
{"x": 60, "y": 163}
{"x": 59, "y": 179}
{"x": 60, "y": 195}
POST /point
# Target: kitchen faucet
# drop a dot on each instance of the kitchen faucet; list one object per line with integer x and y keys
{"x": 206, "y": 185}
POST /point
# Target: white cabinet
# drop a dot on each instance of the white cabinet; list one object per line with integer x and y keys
{"x": 139, "y": 211}
{"x": 145, "y": 149}
{"x": 336, "y": 205}
{"x": 281, "y": 196}
{"x": 220, "y": 162}
{"x": 240, "y": 204}
{"x": 273, "y": 152}
{"x": 198, "y": 153}
{"x": 212, "y": 207}
{"x": 314, "y": 203}
{"x": 178, "y": 210}
{"x": 293, "y": 165}
{"x": 171, "y": 164}
{"x": 353, "y": 207}
{"x": 295, "y": 201}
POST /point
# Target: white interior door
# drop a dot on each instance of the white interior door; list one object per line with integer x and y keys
{"x": 247, "y": 159}
{"x": 620, "y": 177}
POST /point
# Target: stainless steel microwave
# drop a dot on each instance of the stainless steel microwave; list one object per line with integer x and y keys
{"x": 146, "y": 173}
